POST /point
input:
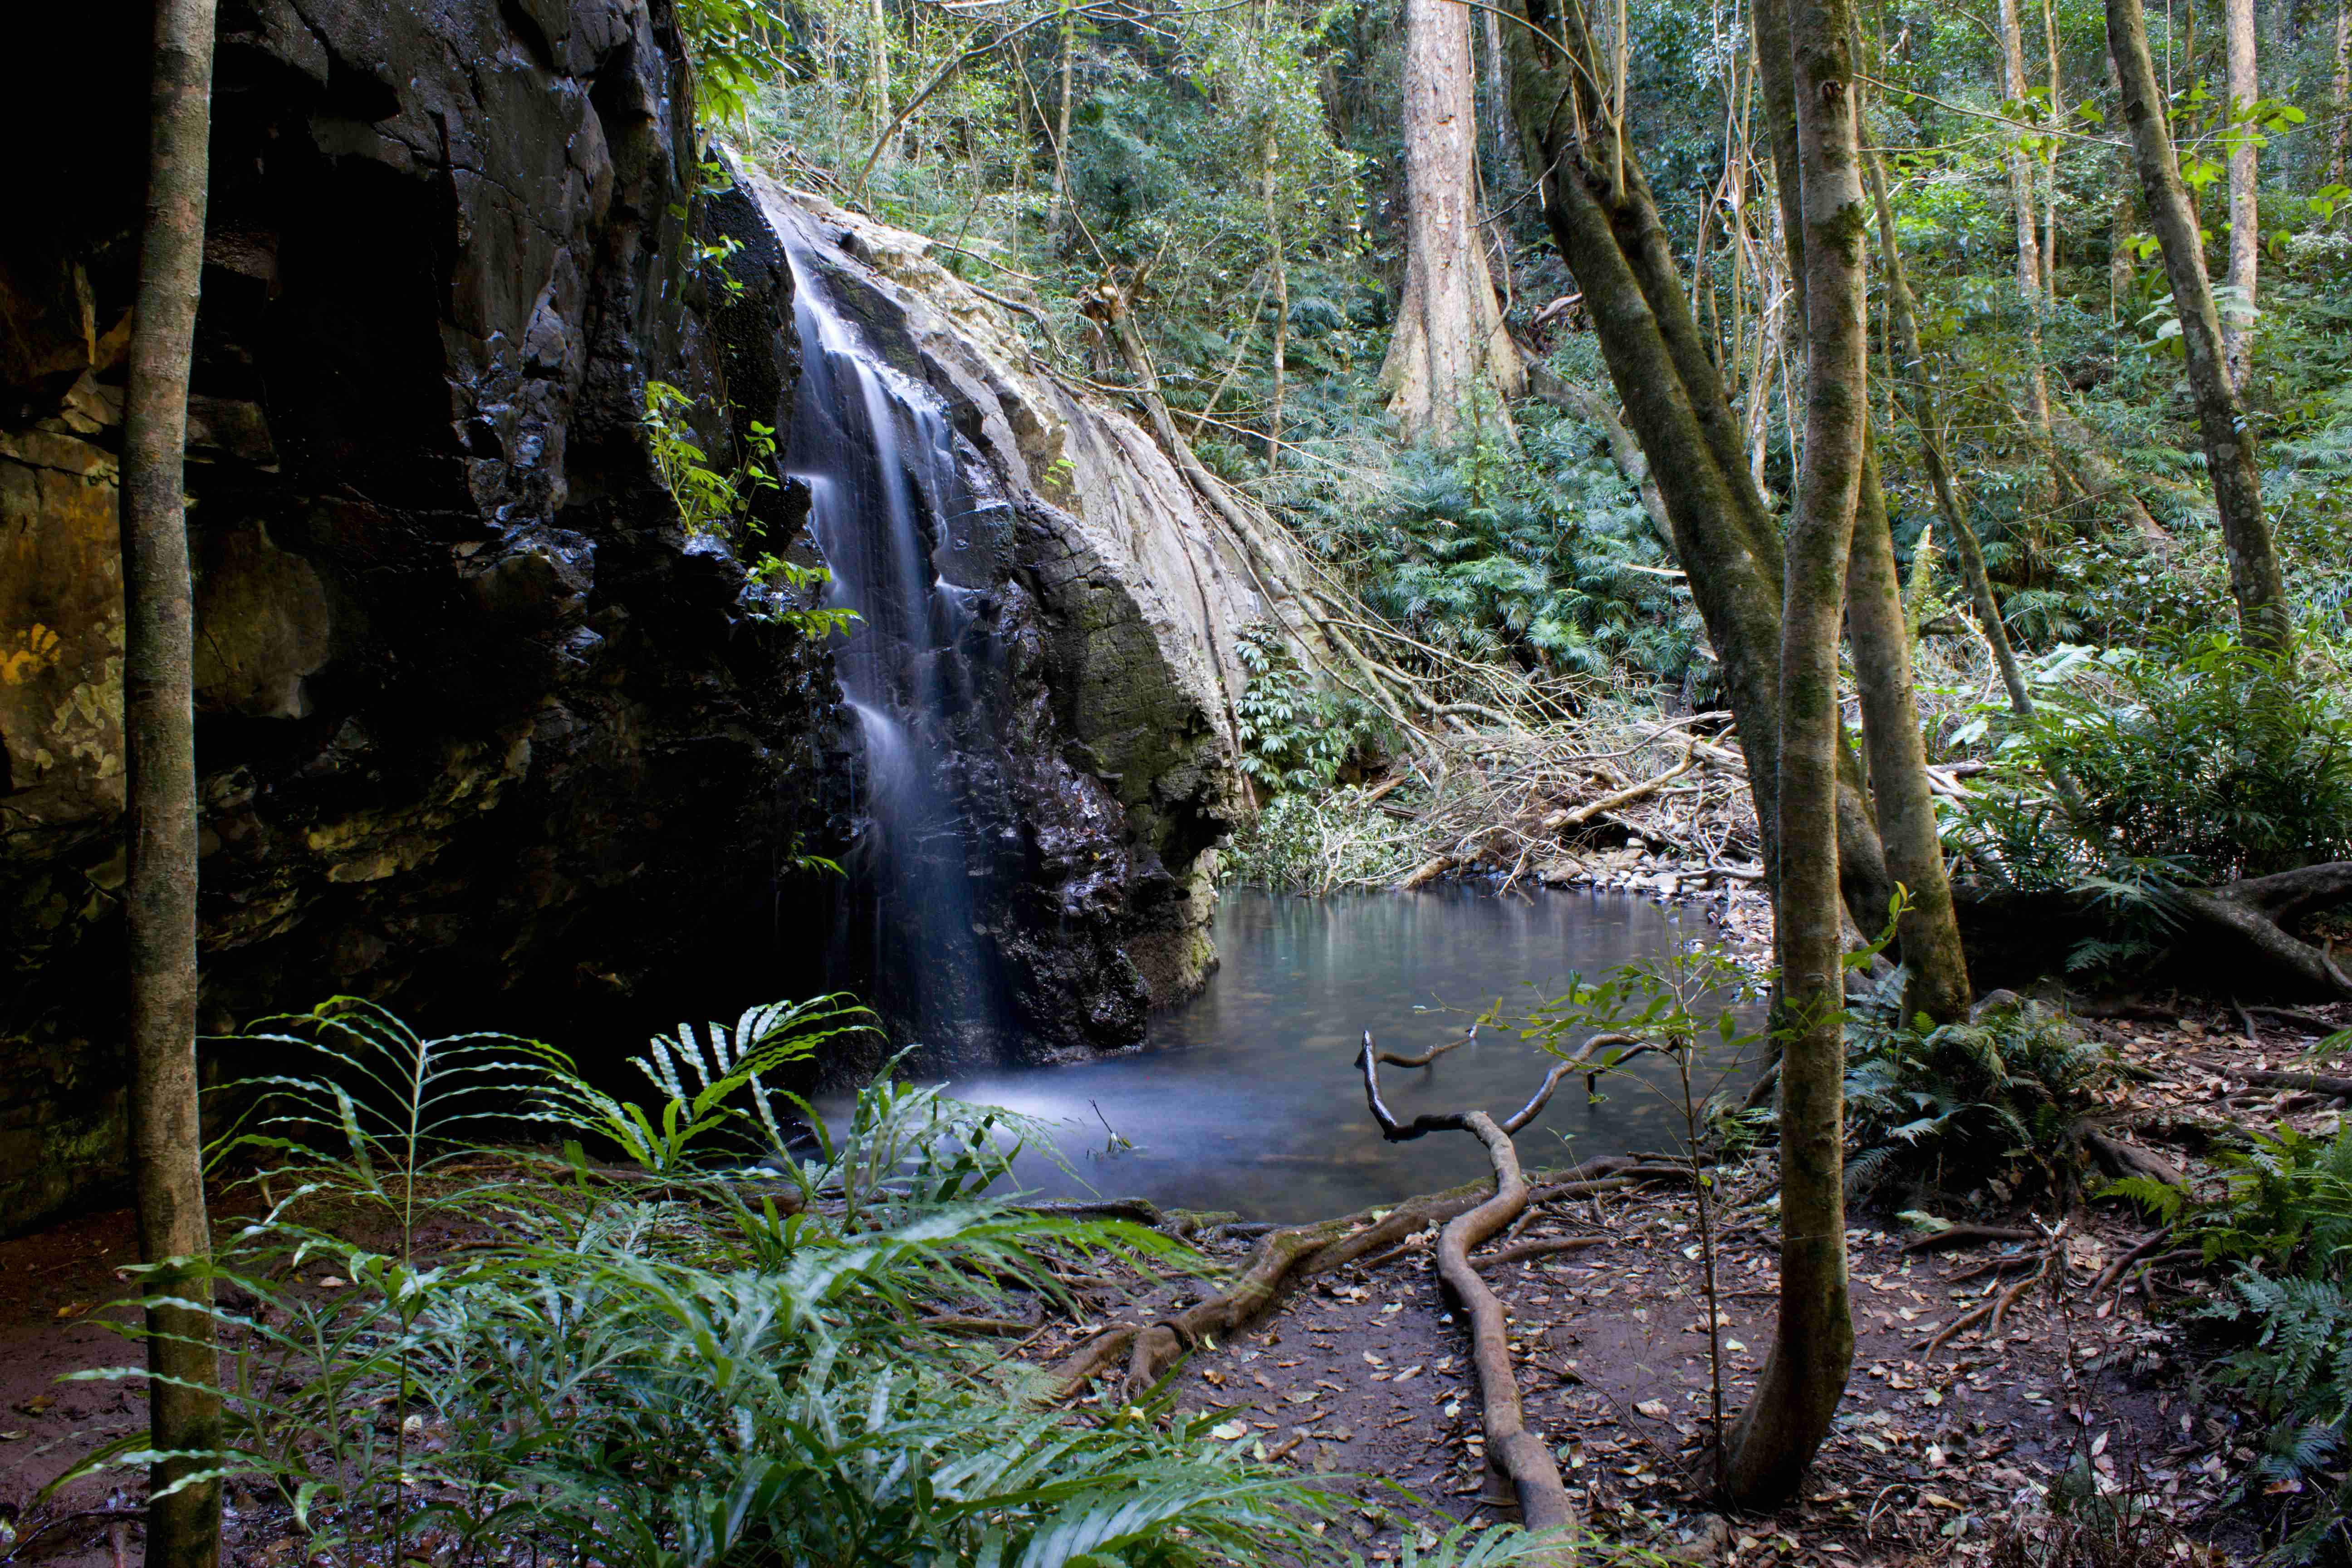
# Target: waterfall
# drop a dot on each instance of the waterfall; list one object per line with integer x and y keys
{"x": 877, "y": 455}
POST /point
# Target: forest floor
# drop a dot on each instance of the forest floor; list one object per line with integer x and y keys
{"x": 1363, "y": 1376}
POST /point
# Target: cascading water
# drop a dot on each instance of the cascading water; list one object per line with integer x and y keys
{"x": 879, "y": 458}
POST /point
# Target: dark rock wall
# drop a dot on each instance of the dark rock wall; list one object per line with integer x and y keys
{"x": 482, "y": 734}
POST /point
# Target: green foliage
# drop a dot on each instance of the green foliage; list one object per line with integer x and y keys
{"x": 2210, "y": 762}
{"x": 737, "y": 45}
{"x": 716, "y": 502}
{"x": 1296, "y": 734}
{"x": 1538, "y": 553}
{"x": 1962, "y": 1101}
{"x": 2286, "y": 1224}
{"x": 681, "y": 1362}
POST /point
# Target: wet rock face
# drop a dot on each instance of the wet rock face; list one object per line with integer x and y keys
{"x": 1090, "y": 743}
{"x": 482, "y": 734}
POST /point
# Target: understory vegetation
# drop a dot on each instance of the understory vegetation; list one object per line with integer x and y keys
{"x": 711, "y": 1328}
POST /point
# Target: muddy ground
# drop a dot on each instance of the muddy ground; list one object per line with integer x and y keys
{"x": 1363, "y": 1377}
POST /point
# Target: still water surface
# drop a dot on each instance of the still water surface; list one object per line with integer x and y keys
{"x": 1247, "y": 1097}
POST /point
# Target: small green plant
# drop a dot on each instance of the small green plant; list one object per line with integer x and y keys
{"x": 2000, "y": 1096}
{"x": 2285, "y": 1223}
{"x": 720, "y": 503}
{"x": 1295, "y": 736}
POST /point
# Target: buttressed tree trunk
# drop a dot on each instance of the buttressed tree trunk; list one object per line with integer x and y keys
{"x": 160, "y": 796}
{"x": 2245, "y": 227}
{"x": 1449, "y": 345}
{"x": 2254, "y": 578}
{"x": 1804, "y": 1376}
{"x": 1605, "y": 222}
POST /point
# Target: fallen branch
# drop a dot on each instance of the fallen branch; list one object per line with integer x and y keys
{"x": 1432, "y": 1054}
{"x": 1515, "y": 1455}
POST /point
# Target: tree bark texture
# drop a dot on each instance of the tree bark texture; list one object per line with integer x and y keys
{"x": 2254, "y": 578}
{"x": 1449, "y": 343}
{"x": 2245, "y": 224}
{"x": 1804, "y": 1376}
{"x": 160, "y": 797}
{"x": 1935, "y": 964}
{"x": 1281, "y": 301}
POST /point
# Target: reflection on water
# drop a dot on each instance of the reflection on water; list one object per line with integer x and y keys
{"x": 1248, "y": 1099}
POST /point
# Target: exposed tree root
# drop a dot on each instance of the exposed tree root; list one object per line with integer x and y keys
{"x": 2118, "y": 1158}
{"x": 1515, "y": 1455}
{"x": 2259, "y": 909}
{"x": 2275, "y": 1077}
{"x": 1968, "y": 1235}
{"x": 1285, "y": 1255}
{"x": 1522, "y": 1251}
{"x": 1432, "y": 1054}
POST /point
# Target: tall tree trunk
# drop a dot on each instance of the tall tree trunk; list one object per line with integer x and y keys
{"x": 1449, "y": 345}
{"x": 1804, "y": 1376}
{"x": 2341, "y": 132}
{"x": 160, "y": 797}
{"x": 880, "y": 22}
{"x": 1902, "y": 309}
{"x": 1929, "y": 929}
{"x": 2122, "y": 224}
{"x": 2245, "y": 224}
{"x": 1934, "y": 962}
{"x": 2254, "y": 578}
{"x": 1062, "y": 123}
{"x": 1281, "y": 304}
{"x": 2020, "y": 163}
{"x": 2050, "y": 168}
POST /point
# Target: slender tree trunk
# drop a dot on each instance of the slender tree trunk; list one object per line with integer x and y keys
{"x": 1935, "y": 961}
{"x": 881, "y": 74}
{"x": 1449, "y": 345}
{"x": 1902, "y": 311}
{"x": 160, "y": 796}
{"x": 2254, "y": 578}
{"x": 2123, "y": 224}
{"x": 2341, "y": 132}
{"x": 2020, "y": 163}
{"x": 1281, "y": 304}
{"x": 2050, "y": 168}
{"x": 1804, "y": 1376}
{"x": 1062, "y": 125}
{"x": 1605, "y": 221}
{"x": 2245, "y": 224}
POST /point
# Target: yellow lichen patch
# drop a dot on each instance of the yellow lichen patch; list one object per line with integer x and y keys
{"x": 28, "y": 653}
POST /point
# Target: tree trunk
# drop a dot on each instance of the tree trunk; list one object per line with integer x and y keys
{"x": 1935, "y": 963}
{"x": 880, "y": 22}
{"x": 2050, "y": 168}
{"x": 1281, "y": 304}
{"x": 1913, "y": 855}
{"x": 2123, "y": 224}
{"x": 1061, "y": 127}
{"x": 2020, "y": 163}
{"x": 1608, "y": 230}
{"x": 160, "y": 797}
{"x": 2254, "y": 578}
{"x": 2341, "y": 132}
{"x": 1804, "y": 1376}
{"x": 1904, "y": 314}
{"x": 2245, "y": 225}
{"x": 1449, "y": 345}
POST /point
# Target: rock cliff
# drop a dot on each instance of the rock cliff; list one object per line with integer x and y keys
{"x": 483, "y": 732}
